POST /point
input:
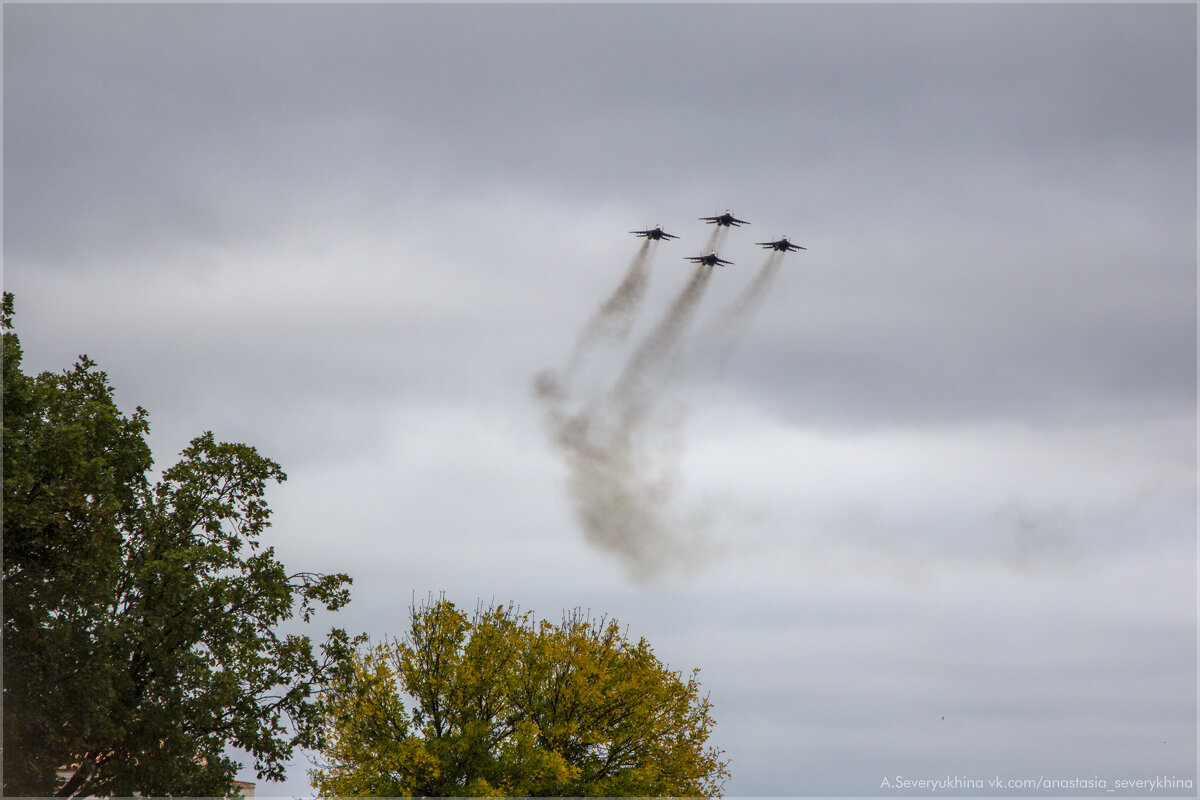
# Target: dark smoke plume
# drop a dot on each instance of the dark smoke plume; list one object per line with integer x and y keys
{"x": 622, "y": 446}
{"x": 648, "y": 360}
{"x": 715, "y": 239}
{"x": 613, "y": 319}
{"x": 732, "y": 323}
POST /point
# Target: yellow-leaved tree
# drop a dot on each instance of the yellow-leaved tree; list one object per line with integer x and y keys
{"x": 498, "y": 703}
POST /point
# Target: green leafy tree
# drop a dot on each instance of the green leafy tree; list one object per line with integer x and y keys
{"x": 501, "y": 704}
{"x": 140, "y": 620}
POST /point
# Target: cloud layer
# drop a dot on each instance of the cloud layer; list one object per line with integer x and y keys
{"x": 941, "y": 462}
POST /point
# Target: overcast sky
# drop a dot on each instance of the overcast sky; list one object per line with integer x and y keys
{"x": 918, "y": 501}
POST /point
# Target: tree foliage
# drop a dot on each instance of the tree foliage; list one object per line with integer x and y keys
{"x": 140, "y": 619}
{"x": 502, "y": 704}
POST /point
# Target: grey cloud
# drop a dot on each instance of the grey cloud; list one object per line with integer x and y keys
{"x": 150, "y": 102}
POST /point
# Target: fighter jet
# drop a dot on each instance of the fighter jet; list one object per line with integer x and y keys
{"x": 726, "y": 219}
{"x": 782, "y": 244}
{"x": 710, "y": 260}
{"x": 655, "y": 233}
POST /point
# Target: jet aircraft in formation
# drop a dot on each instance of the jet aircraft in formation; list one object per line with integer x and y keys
{"x": 727, "y": 220}
{"x": 710, "y": 260}
{"x": 782, "y": 245}
{"x": 655, "y": 233}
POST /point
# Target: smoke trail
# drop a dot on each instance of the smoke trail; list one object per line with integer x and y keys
{"x": 660, "y": 342}
{"x": 621, "y": 450}
{"x": 622, "y": 444}
{"x": 619, "y": 492}
{"x": 732, "y": 323}
{"x": 613, "y": 319}
{"x": 716, "y": 238}
{"x": 611, "y": 322}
